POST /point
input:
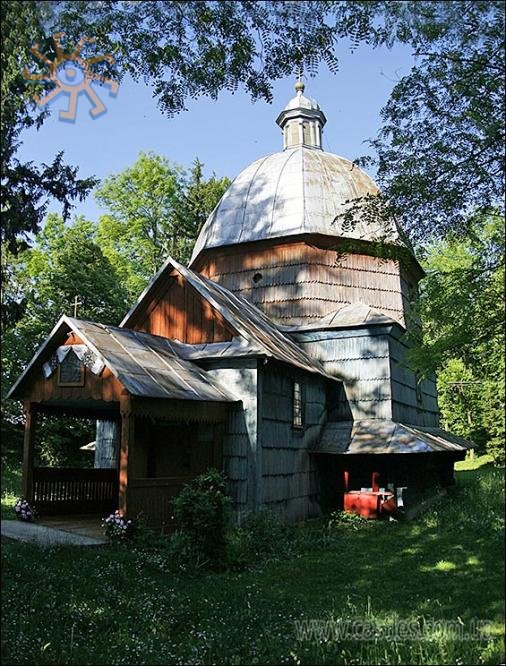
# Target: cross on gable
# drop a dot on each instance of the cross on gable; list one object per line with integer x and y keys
{"x": 75, "y": 304}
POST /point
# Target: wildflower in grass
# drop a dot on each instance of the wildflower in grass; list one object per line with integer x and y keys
{"x": 24, "y": 511}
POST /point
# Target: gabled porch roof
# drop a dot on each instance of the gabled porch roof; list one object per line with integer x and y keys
{"x": 144, "y": 364}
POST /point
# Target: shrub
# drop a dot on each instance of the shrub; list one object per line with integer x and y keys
{"x": 200, "y": 511}
{"x": 117, "y": 528}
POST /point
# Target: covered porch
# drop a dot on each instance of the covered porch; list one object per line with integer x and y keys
{"x": 159, "y": 447}
{"x": 167, "y": 419}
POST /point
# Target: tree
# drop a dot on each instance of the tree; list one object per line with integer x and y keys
{"x": 27, "y": 188}
{"x": 65, "y": 262}
{"x": 155, "y": 209}
{"x": 199, "y": 198}
{"x": 439, "y": 153}
{"x": 461, "y": 306}
{"x": 440, "y": 150}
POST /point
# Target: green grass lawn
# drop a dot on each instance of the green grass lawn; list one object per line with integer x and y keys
{"x": 128, "y": 606}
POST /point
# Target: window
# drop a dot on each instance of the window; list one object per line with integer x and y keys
{"x": 297, "y": 405}
{"x": 71, "y": 371}
{"x": 294, "y": 133}
{"x": 306, "y": 133}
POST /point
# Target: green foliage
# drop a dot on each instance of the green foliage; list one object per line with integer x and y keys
{"x": 64, "y": 262}
{"x": 261, "y": 536}
{"x": 190, "y": 49}
{"x": 155, "y": 209}
{"x": 440, "y": 150}
{"x": 461, "y": 306}
{"x": 58, "y": 441}
{"x": 338, "y": 518}
{"x": 27, "y": 188}
{"x": 441, "y": 145}
{"x": 200, "y": 511}
{"x": 448, "y": 566}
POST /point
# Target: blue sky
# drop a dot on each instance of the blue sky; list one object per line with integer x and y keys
{"x": 226, "y": 134}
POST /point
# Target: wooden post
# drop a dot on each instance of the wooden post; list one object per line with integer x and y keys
{"x": 28, "y": 445}
{"x": 127, "y": 442}
{"x": 346, "y": 477}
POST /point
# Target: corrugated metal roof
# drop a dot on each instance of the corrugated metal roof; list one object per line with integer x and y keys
{"x": 145, "y": 364}
{"x": 257, "y": 334}
{"x": 296, "y": 191}
{"x": 384, "y": 436}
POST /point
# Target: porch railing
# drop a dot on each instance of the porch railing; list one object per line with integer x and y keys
{"x": 75, "y": 490}
{"x": 151, "y": 499}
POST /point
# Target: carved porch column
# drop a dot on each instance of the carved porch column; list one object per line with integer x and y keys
{"x": 28, "y": 445}
{"x": 127, "y": 442}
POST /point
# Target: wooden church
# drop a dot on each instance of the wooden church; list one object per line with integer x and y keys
{"x": 277, "y": 356}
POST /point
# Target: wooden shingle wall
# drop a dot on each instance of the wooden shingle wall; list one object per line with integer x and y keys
{"x": 376, "y": 383}
{"x": 289, "y": 482}
{"x": 176, "y": 311}
{"x": 361, "y": 358}
{"x": 299, "y": 283}
{"x": 409, "y": 405}
{"x": 241, "y": 457}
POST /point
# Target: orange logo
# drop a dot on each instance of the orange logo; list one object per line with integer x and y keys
{"x": 72, "y": 75}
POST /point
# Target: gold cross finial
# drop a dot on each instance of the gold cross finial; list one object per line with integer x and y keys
{"x": 299, "y": 86}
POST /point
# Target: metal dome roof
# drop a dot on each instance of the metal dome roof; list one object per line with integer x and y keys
{"x": 297, "y": 191}
{"x": 302, "y": 102}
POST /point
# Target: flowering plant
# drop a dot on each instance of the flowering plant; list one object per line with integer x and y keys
{"x": 24, "y": 511}
{"x": 117, "y": 528}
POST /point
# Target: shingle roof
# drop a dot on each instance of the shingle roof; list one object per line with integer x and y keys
{"x": 354, "y": 314}
{"x": 145, "y": 364}
{"x": 258, "y": 335}
{"x": 384, "y": 436}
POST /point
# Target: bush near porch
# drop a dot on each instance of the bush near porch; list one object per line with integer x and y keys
{"x": 133, "y": 606}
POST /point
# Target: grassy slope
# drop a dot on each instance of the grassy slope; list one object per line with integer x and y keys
{"x": 109, "y": 606}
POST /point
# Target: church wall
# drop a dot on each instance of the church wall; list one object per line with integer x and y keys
{"x": 361, "y": 358}
{"x": 241, "y": 454}
{"x": 290, "y": 484}
{"x": 418, "y": 407}
{"x": 376, "y": 383}
{"x": 298, "y": 282}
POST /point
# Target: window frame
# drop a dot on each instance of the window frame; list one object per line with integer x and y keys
{"x": 80, "y": 382}
{"x": 297, "y": 405}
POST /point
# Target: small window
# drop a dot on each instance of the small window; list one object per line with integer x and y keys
{"x": 257, "y": 277}
{"x": 297, "y": 405}
{"x": 71, "y": 371}
{"x": 294, "y": 133}
{"x": 306, "y": 133}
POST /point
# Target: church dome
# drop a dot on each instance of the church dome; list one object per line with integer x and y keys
{"x": 301, "y": 190}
